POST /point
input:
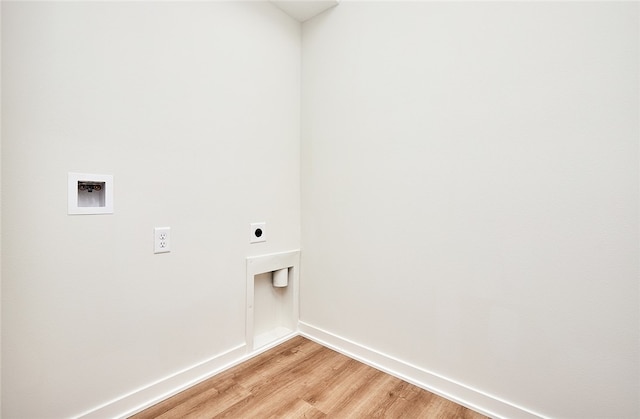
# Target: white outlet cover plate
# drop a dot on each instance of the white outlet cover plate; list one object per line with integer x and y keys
{"x": 257, "y": 232}
{"x": 161, "y": 239}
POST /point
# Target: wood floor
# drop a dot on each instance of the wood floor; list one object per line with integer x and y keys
{"x": 301, "y": 379}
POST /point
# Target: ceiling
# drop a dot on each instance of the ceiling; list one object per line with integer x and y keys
{"x": 302, "y": 10}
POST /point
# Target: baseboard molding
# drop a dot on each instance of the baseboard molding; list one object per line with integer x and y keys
{"x": 151, "y": 394}
{"x": 145, "y": 397}
{"x": 442, "y": 386}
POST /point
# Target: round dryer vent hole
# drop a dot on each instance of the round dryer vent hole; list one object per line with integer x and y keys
{"x": 257, "y": 233}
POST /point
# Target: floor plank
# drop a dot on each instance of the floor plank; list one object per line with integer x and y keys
{"x": 302, "y": 379}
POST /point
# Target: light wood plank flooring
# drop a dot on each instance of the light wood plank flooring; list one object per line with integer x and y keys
{"x": 302, "y": 379}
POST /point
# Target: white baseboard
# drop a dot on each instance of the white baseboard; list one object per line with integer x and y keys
{"x": 480, "y": 402}
{"x": 153, "y": 393}
{"x": 145, "y": 397}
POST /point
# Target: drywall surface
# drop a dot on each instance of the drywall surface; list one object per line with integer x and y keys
{"x": 194, "y": 109}
{"x": 470, "y": 194}
{"x": 0, "y": 208}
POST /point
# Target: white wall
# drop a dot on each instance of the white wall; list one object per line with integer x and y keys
{"x": 0, "y": 209}
{"x": 194, "y": 108}
{"x": 470, "y": 194}
{"x": 470, "y": 191}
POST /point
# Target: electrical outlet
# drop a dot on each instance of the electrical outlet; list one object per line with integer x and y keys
{"x": 257, "y": 232}
{"x": 161, "y": 239}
